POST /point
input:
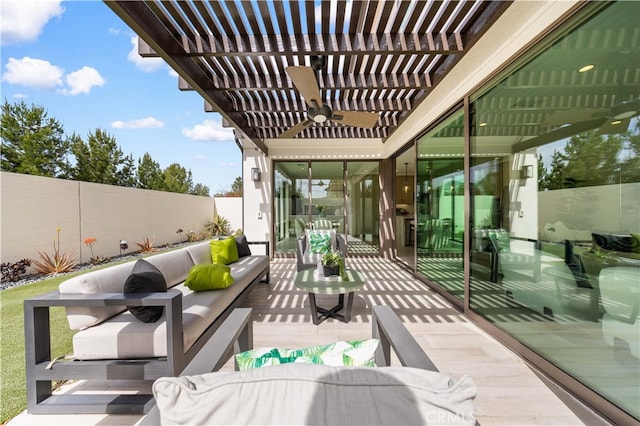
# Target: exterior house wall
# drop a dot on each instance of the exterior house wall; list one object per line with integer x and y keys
{"x": 33, "y": 207}
{"x": 257, "y": 196}
{"x": 230, "y": 208}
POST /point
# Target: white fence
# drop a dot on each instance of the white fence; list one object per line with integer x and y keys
{"x": 33, "y": 207}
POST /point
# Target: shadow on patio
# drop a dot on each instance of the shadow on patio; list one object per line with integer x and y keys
{"x": 509, "y": 391}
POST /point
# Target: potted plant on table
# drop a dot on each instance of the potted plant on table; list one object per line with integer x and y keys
{"x": 333, "y": 264}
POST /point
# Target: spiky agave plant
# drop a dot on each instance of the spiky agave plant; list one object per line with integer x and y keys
{"x": 56, "y": 263}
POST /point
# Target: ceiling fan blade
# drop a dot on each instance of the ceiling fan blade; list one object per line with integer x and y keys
{"x": 356, "y": 118}
{"x": 295, "y": 129}
{"x": 609, "y": 128}
{"x": 304, "y": 78}
{"x": 560, "y": 133}
{"x": 568, "y": 116}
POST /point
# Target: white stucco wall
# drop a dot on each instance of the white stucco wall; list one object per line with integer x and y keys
{"x": 257, "y": 196}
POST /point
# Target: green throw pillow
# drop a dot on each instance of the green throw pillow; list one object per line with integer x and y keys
{"x": 224, "y": 251}
{"x": 355, "y": 353}
{"x": 319, "y": 242}
{"x": 209, "y": 276}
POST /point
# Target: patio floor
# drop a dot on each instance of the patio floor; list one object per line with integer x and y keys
{"x": 510, "y": 392}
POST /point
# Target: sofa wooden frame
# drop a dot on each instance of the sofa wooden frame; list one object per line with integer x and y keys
{"x": 41, "y": 370}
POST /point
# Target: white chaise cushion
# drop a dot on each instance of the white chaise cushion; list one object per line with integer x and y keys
{"x": 317, "y": 394}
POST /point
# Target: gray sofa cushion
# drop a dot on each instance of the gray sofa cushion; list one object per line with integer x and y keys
{"x": 317, "y": 394}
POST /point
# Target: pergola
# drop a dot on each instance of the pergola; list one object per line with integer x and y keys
{"x": 380, "y": 57}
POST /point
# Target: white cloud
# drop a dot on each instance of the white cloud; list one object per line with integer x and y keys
{"x": 41, "y": 74}
{"x": 33, "y": 73}
{"x": 23, "y": 20}
{"x": 82, "y": 81}
{"x": 19, "y": 96}
{"x": 209, "y": 130}
{"x": 229, "y": 165}
{"x": 141, "y": 123}
{"x": 144, "y": 64}
{"x": 200, "y": 157}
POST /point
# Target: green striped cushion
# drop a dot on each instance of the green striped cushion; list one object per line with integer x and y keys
{"x": 355, "y": 353}
{"x": 319, "y": 242}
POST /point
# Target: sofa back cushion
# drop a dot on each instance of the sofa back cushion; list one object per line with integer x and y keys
{"x": 173, "y": 265}
{"x": 200, "y": 253}
{"x": 317, "y": 394}
{"x": 107, "y": 280}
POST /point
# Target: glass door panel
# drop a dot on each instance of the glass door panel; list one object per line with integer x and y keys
{"x": 440, "y": 206}
{"x": 291, "y": 199}
{"x": 327, "y": 195}
{"x": 363, "y": 212}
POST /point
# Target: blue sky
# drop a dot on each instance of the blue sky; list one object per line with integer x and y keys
{"x": 79, "y": 61}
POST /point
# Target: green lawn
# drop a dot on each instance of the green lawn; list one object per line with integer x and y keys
{"x": 13, "y": 392}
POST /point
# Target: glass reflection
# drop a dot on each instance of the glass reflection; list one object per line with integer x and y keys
{"x": 555, "y": 184}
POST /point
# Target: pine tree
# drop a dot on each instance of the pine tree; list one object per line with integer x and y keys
{"x": 32, "y": 143}
{"x": 100, "y": 160}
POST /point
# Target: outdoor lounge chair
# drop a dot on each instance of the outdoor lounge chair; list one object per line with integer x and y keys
{"x": 307, "y": 260}
{"x": 322, "y": 224}
{"x": 295, "y": 393}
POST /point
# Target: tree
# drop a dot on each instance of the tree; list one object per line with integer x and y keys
{"x": 236, "y": 188}
{"x": 630, "y": 160}
{"x": 177, "y": 179}
{"x": 149, "y": 173}
{"x": 100, "y": 160}
{"x": 543, "y": 176}
{"x": 591, "y": 159}
{"x": 200, "y": 189}
{"x": 554, "y": 178}
{"x": 32, "y": 143}
{"x": 235, "y": 191}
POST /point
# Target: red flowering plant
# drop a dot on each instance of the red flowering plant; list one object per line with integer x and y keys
{"x": 95, "y": 260}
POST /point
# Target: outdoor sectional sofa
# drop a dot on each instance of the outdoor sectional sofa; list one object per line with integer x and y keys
{"x": 113, "y": 344}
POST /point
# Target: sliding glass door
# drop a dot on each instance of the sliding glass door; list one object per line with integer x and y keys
{"x": 314, "y": 194}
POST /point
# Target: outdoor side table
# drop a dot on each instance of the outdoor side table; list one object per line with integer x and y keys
{"x": 314, "y": 282}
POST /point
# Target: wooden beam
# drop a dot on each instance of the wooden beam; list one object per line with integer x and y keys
{"x": 144, "y": 22}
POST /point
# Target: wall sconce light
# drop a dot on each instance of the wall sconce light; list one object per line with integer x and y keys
{"x": 255, "y": 174}
{"x": 526, "y": 172}
{"x": 123, "y": 246}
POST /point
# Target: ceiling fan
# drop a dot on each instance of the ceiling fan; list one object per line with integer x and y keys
{"x": 304, "y": 79}
{"x": 607, "y": 121}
